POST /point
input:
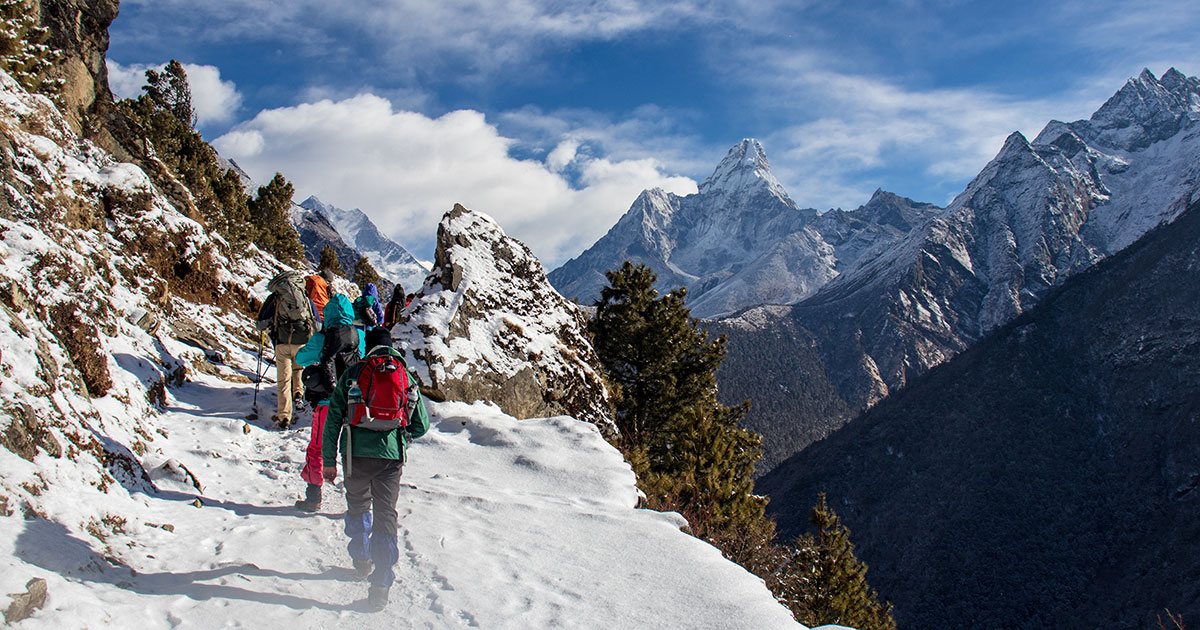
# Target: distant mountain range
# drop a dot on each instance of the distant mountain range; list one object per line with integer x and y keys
{"x": 1047, "y": 477}
{"x": 389, "y": 258}
{"x": 876, "y": 296}
{"x": 740, "y": 241}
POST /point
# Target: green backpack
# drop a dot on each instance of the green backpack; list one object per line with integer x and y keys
{"x": 293, "y": 321}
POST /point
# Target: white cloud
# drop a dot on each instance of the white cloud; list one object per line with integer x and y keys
{"x": 216, "y": 101}
{"x": 405, "y": 170}
{"x": 856, "y": 125}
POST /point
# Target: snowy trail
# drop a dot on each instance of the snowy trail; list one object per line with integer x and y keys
{"x": 503, "y": 524}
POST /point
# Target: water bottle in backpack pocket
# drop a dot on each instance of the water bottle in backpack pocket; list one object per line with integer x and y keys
{"x": 377, "y": 400}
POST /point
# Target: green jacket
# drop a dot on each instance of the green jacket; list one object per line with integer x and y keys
{"x": 365, "y": 442}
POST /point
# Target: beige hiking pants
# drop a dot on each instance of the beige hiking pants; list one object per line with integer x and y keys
{"x": 287, "y": 378}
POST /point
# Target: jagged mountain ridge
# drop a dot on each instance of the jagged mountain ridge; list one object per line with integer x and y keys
{"x": 1072, "y": 430}
{"x": 740, "y": 241}
{"x": 389, "y": 258}
{"x": 1038, "y": 213}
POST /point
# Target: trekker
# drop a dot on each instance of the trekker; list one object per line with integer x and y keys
{"x": 391, "y": 314}
{"x": 367, "y": 312}
{"x": 325, "y": 357}
{"x": 318, "y": 291}
{"x": 372, "y": 395}
{"x": 291, "y": 319}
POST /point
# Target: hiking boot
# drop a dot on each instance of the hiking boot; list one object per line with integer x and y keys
{"x": 377, "y": 598}
{"x": 281, "y": 421}
{"x": 312, "y": 499}
{"x": 362, "y": 568}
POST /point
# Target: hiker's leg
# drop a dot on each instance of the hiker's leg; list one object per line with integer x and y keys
{"x": 312, "y": 462}
{"x": 285, "y": 374}
{"x": 385, "y": 547}
{"x": 358, "y": 508}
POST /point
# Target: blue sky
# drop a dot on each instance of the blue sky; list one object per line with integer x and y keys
{"x": 551, "y": 116}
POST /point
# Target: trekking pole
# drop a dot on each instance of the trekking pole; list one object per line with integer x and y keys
{"x": 262, "y": 342}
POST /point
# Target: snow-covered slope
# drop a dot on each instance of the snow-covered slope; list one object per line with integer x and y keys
{"x": 139, "y": 488}
{"x": 739, "y": 242}
{"x": 390, "y": 259}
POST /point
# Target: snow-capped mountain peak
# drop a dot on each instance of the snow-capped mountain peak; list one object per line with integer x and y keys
{"x": 743, "y": 171}
{"x": 1146, "y": 110}
{"x": 388, "y": 257}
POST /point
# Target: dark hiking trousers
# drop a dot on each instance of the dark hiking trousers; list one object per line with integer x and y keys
{"x": 372, "y": 490}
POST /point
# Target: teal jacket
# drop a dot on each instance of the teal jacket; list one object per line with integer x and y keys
{"x": 337, "y": 312}
{"x": 365, "y": 442}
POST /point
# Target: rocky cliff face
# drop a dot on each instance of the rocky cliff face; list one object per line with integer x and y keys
{"x": 1057, "y": 460}
{"x": 487, "y": 325}
{"x": 80, "y": 29}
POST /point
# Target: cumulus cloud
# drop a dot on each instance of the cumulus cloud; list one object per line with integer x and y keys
{"x": 405, "y": 170}
{"x": 215, "y": 100}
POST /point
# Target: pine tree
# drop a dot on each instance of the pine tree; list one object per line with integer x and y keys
{"x": 23, "y": 50}
{"x": 329, "y": 260}
{"x": 825, "y": 583}
{"x": 659, "y": 359}
{"x": 270, "y": 213}
{"x": 691, "y": 456}
{"x": 365, "y": 274}
{"x": 688, "y": 450}
{"x": 164, "y": 119}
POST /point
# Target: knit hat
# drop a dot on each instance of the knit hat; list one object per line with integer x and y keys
{"x": 378, "y": 336}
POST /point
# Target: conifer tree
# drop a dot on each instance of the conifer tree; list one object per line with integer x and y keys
{"x": 826, "y": 583}
{"x": 164, "y": 119}
{"x": 688, "y": 450}
{"x": 23, "y": 50}
{"x": 659, "y": 359}
{"x": 691, "y": 456}
{"x": 329, "y": 260}
{"x": 364, "y": 273}
{"x": 169, "y": 89}
{"x": 270, "y": 213}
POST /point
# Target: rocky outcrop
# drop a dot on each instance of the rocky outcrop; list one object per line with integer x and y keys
{"x": 487, "y": 325}
{"x": 79, "y": 28}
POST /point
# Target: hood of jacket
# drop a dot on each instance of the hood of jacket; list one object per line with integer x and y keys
{"x": 338, "y": 312}
{"x": 372, "y": 291}
{"x": 317, "y": 290}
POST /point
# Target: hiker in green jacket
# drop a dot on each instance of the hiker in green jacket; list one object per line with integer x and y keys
{"x": 362, "y": 408}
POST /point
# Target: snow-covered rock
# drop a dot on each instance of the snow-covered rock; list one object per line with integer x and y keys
{"x": 487, "y": 325}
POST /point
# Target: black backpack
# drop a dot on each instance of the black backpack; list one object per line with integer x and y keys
{"x": 339, "y": 352}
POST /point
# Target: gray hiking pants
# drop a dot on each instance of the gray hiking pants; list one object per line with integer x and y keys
{"x": 374, "y": 486}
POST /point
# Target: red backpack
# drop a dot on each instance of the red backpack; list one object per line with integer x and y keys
{"x": 383, "y": 395}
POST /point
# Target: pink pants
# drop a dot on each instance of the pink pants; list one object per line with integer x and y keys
{"x": 312, "y": 461}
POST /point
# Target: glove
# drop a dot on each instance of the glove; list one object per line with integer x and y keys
{"x": 329, "y": 473}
